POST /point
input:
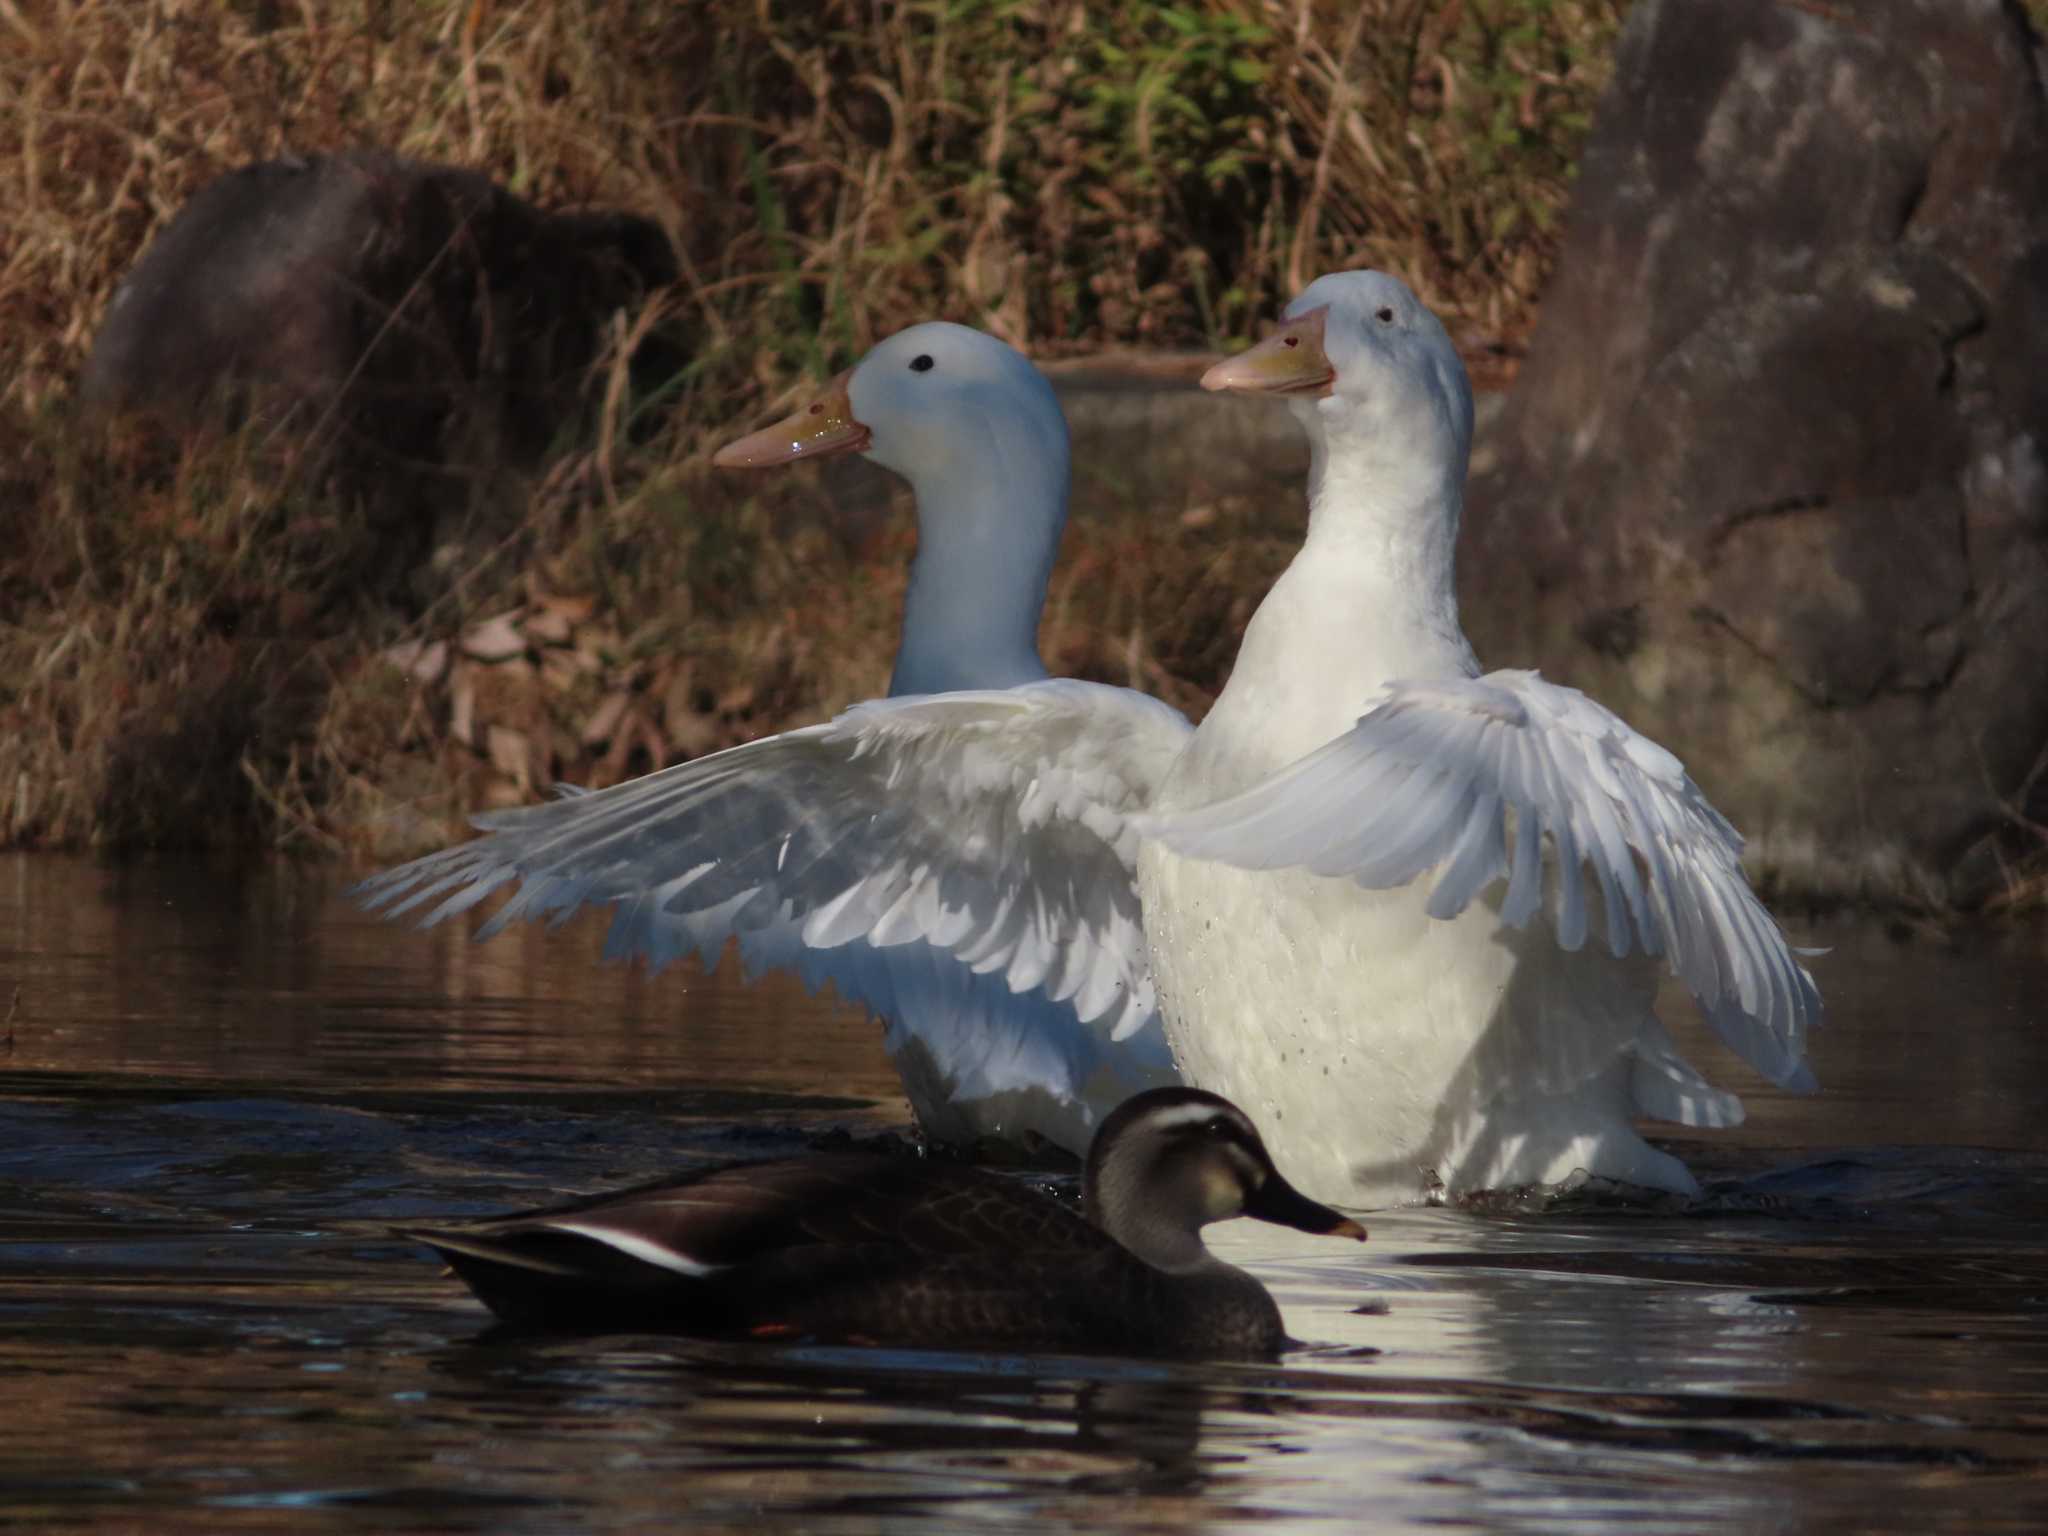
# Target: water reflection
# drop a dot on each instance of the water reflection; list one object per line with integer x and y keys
{"x": 273, "y": 976}
{"x": 220, "y": 1090}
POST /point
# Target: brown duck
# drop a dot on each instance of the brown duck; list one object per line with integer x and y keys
{"x": 857, "y": 1247}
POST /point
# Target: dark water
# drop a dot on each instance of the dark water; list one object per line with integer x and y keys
{"x": 216, "y": 1091}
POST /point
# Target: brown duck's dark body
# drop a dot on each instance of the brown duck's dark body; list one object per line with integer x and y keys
{"x": 857, "y": 1247}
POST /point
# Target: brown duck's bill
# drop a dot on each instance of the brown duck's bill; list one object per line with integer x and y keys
{"x": 1281, "y": 1203}
{"x": 827, "y": 425}
{"x": 1291, "y": 361}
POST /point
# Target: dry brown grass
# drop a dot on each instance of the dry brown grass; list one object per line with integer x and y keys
{"x": 189, "y": 640}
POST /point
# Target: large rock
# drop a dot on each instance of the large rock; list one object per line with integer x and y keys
{"x": 1771, "y": 481}
{"x": 398, "y": 319}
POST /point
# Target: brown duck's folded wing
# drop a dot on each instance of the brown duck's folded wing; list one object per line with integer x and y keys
{"x": 841, "y": 1245}
{"x": 742, "y": 1214}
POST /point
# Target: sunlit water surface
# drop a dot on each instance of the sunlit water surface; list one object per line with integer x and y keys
{"x": 214, "y": 1091}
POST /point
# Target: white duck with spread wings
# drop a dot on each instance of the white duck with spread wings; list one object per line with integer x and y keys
{"x": 997, "y": 937}
{"x": 1365, "y": 816}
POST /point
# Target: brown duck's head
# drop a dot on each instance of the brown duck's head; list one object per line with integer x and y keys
{"x": 1169, "y": 1161}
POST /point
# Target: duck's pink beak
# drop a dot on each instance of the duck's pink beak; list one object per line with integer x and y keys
{"x": 1291, "y": 361}
{"x": 827, "y": 425}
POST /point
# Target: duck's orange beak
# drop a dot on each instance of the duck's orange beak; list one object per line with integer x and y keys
{"x": 1291, "y": 361}
{"x": 827, "y": 425}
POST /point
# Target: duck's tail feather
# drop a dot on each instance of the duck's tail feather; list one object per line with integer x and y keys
{"x": 538, "y": 1277}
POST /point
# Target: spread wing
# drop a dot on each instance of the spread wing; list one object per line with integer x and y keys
{"x": 991, "y": 826}
{"x": 1467, "y": 778}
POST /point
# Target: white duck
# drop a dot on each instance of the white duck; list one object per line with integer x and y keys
{"x": 1400, "y": 1034}
{"x": 748, "y": 842}
{"x": 1394, "y": 1036}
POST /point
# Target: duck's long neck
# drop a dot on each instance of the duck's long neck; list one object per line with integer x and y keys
{"x": 1369, "y": 600}
{"x": 987, "y": 532}
{"x": 1382, "y": 549}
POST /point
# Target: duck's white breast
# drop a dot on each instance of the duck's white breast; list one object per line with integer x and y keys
{"x": 1386, "y": 1054}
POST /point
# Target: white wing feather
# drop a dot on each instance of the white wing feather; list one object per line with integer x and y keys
{"x": 990, "y": 826}
{"x": 1467, "y": 777}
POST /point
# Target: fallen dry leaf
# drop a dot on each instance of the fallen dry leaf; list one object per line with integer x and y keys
{"x": 419, "y": 660}
{"x": 496, "y": 639}
{"x": 462, "y": 705}
{"x": 546, "y": 627}
{"x": 603, "y": 723}
{"x": 570, "y": 610}
{"x": 510, "y": 753}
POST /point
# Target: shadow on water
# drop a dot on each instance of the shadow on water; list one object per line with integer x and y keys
{"x": 218, "y": 1092}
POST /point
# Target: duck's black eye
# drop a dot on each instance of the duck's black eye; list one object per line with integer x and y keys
{"x": 922, "y": 363}
{"x": 1219, "y": 1127}
{"x": 1386, "y": 314}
